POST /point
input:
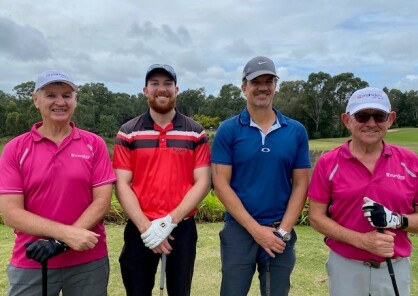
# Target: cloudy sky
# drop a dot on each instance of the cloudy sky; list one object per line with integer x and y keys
{"x": 208, "y": 42}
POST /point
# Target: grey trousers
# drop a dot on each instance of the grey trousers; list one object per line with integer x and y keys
{"x": 88, "y": 279}
{"x": 348, "y": 277}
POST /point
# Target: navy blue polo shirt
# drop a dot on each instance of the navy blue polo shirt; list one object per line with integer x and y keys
{"x": 262, "y": 166}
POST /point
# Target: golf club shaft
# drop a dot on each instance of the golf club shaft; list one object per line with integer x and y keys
{"x": 391, "y": 271}
{"x": 44, "y": 278}
{"x": 162, "y": 278}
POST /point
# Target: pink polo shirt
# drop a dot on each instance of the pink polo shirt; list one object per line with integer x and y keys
{"x": 338, "y": 176}
{"x": 57, "y": 183}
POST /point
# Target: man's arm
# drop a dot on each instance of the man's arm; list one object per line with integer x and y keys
{"x": 412, "y": 221}
{"x": 263, "y": 235}
{"x": 96, "y": 211}
{"x": 300, "y": 182}
{"x": 380, "y": 244}
{"x": 128, "y": 200}
{"x": 194, "y": 196}
{"x": 16, "y": 216}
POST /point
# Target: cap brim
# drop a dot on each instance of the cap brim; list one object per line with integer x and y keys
{"x": 259, "y": 73}
{"x": 368, "y": 106}
{"x": 72, "y": 85}
{"x": 159, "y": 70}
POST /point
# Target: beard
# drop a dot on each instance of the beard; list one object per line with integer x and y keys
{"x": 162, "y": 108}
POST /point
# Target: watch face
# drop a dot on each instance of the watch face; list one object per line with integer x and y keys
{"x": 286, "y": 237}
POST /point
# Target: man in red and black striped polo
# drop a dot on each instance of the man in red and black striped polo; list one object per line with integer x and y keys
{"x": 162, "y": 163}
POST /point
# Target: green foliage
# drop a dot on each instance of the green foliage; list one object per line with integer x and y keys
{"x": 116, "y": 214}
{"x": 317, "y": 103}
{"x": 207, "y": 122}
{"x": 210, "y": 209}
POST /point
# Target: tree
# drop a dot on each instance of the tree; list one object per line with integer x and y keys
{"x": 317, "y": 100}
{"x": 343, "y": 87}
{"x": 24, "y": 90}
{"x": 107, "y": 126}
{"x": 290, "y": 99}
{"x": 190, "y": 101}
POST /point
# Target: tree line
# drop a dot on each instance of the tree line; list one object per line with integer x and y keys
{"x": 317, "y": 103}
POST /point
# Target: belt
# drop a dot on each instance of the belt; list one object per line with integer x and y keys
{"x": 274, "y": 224}
{"x": 375, "y": 264}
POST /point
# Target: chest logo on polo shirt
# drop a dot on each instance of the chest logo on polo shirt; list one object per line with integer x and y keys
{"x": 180, "y": 150}
{"x": 84, "y": 156}
{"x": 396, "y": 176}
{"x": 265, "y": 150}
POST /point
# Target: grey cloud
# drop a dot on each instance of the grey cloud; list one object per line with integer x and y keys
{"x": 22, "y": 43}
{"x": 147, "y": 30}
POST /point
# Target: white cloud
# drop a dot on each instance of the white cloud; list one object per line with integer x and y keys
{"x": 209, "y": 42}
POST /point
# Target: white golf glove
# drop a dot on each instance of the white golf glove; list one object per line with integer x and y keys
{"x": 160, "y": 229}
{"x": 379, "y": 216}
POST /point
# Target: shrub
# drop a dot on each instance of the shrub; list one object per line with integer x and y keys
{"x": 210, "y": 209}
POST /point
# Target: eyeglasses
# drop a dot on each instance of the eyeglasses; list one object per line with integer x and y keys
{"x": 379, "y": 117}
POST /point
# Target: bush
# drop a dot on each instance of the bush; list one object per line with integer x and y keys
{"x": 116, "y": 214}
{"x": 210, "y": 209}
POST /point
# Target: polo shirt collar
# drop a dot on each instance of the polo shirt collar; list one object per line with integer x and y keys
{"x": 245, "y": 118}
{"x": 387, "y": 149}
{"x": 75, "y": 133}
{"x": 149, "y": 122}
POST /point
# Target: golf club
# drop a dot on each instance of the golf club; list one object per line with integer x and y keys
{"x": 44, "y": 278}
{"x": 268, "y": 289}
{"x": 162, "y": 278}
{"x": 390, "y": 269}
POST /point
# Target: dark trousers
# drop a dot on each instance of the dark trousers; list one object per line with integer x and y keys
{"x": 139, "y": 264}
{"x": 240, "y": 258}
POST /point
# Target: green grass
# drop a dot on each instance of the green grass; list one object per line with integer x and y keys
{"x": 406, "y": 137}
{"x": 309, "y": 276}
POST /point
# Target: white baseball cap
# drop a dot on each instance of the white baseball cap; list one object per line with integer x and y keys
{"x": 368, "y": 98}
{"x": 51, "y": 76}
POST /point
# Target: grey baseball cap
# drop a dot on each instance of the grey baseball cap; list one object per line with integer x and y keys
{"x": 259, "y": 66}
{"x": 161, "y": 67}
{"x": 51, "y": 76}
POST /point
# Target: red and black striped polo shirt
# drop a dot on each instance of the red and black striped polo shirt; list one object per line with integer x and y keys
{"x": 162, "y": 161}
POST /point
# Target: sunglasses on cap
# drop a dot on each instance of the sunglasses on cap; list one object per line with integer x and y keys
{"x": 161, "y": 66}
{"x": 363, "y": 117}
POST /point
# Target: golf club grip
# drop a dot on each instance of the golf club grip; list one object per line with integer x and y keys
{"x": 163, "y": 266}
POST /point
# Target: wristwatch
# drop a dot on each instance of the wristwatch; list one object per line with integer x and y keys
{"x": 404, "y": 222}
{"x": 286, "y": 236}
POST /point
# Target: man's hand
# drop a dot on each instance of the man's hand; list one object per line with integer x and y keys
{"x": 160, "y": 229}
{"x": 379, "y": 216}
{"x": 43, "y": 249}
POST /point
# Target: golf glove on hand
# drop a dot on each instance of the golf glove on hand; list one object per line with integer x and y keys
{"x": 160, "y": 229}
{"x": 379, "y": 216}
{"x": 43, "y": 249}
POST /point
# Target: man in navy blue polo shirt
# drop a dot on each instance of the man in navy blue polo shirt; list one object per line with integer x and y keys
{"x": 260, "y": 165}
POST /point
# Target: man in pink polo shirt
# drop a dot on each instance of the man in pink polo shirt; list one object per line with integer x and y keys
{"x": 55, "y": 187}
{"x": 363, "y": 184}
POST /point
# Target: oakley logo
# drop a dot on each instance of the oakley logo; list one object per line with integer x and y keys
{"x": 265, "y": 150}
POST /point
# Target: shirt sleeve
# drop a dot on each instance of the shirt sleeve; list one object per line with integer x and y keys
{"x": 102, "y": 171}
{"x": 202, "y": 157}
{"x": 11, "y": 178}
{"x": 222, "y": 146}
{"x": 319, "y": 188}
